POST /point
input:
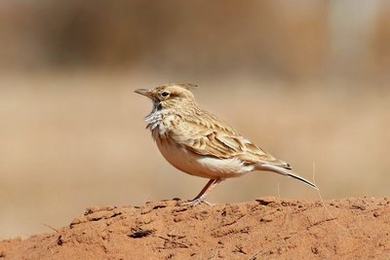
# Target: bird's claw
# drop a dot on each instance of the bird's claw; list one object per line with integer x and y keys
{"x": 195, "y": 202}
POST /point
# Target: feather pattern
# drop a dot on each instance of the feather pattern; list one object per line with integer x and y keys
{"x": 204, "y": 135}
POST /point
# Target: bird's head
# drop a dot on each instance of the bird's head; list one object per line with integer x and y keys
{"x": 169, "y": 95}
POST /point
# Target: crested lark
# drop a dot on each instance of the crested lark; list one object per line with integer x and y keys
{"x": 196, "y": 142}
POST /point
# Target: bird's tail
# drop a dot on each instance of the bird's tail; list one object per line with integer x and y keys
{"x": 286, "y": 171}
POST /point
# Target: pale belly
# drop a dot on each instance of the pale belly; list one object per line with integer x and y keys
{"x": 202, "y": 166}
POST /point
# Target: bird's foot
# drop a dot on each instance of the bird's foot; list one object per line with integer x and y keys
{"x": 195, "y": 202}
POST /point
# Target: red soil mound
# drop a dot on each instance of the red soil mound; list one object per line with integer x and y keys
{"x": 265, "y": 228}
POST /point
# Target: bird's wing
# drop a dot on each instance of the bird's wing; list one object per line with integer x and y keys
{"x": 205, "y": 135}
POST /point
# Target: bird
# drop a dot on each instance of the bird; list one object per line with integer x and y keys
{"x": 196, "y": 142}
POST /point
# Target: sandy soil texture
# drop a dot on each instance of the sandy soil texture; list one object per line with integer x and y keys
{"x": 266, "y": 228}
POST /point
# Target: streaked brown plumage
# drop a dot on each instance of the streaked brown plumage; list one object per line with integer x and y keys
{"x": 196, "y": 142}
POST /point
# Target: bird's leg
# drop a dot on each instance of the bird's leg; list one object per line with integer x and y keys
{"x": 200, "y": 198}
{"x": 205, "y": 189}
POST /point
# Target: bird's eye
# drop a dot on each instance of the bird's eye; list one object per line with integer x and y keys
{"x": 165, "y": 94}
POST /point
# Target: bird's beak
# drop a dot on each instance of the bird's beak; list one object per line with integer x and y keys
{"x": 143, "y": 92}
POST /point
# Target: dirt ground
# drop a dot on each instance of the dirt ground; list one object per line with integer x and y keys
{"x": 265, "y": 228}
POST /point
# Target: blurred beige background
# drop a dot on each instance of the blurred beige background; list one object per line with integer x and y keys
{"x": 306, "y": 80}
